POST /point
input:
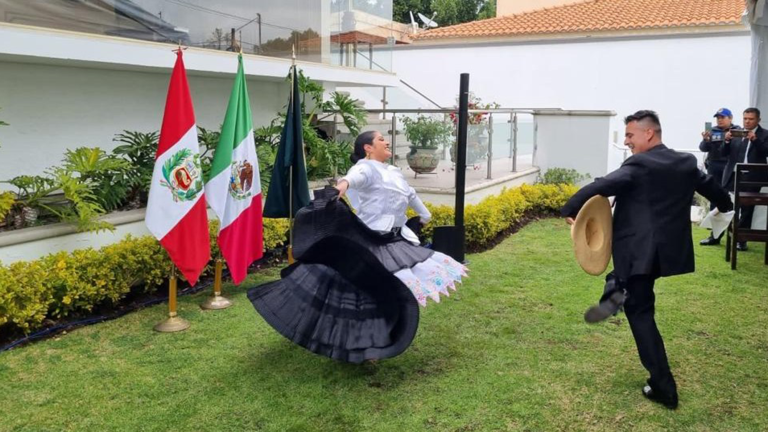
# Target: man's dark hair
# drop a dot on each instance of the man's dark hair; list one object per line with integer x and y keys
{"x": 755, "y": 111}
{"x": 646, "y": 116}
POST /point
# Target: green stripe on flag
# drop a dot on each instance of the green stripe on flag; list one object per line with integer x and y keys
{"x": 237, "y": 123}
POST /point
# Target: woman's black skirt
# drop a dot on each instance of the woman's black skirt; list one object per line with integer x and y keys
{"x": 341, "y": 298}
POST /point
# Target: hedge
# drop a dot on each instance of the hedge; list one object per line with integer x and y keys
{"x": 66, "y": 283}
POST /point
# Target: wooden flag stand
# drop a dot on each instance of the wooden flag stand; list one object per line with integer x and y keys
{"x": 216, "y": 301}
{"x": 173, "y": 323}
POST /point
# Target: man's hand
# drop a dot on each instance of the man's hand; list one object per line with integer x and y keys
{"x": 706, "y": 135}
{"x": 570, "y": 221}
{"x": 728, "y": 136}
{"x": 751, "y": 136}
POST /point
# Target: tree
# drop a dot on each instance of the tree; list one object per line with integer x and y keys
{"x": 487, "y": 10}
{"x": 401, "y": 9}
{"x": 449, "y": 12}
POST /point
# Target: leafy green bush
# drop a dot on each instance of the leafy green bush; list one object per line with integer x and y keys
{"x": 66, "y": 283}
{"x": 494, "y": 214}
{"x": 139, "y": 150}
{"x": 562, "y": 176}
{"x": 426, "y": 132}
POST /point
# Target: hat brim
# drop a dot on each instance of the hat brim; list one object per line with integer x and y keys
{"x": 592, "y": 235}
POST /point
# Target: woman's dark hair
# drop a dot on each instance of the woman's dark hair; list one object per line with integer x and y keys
{"x": 359, "y": 151}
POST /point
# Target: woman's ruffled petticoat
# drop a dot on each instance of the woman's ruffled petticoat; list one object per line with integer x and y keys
{"x": 436, "y": 276}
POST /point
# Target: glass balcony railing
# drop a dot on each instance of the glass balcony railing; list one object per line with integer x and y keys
{"x": 320, "y": 30}
{"x": 500, "y": 143}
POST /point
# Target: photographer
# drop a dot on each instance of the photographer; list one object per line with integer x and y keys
{"x": 712, "y": 143}
{"x": 748, "y": 145}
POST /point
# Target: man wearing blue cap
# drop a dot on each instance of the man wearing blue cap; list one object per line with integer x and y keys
{"x": 712, "y": 143}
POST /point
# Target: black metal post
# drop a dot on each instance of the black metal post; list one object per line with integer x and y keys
{"x": 461, "y": 161}
{"x": 450, "y": 239}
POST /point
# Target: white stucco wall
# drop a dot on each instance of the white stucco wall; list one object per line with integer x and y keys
{"x": 684, "y": 78}
{"x": 54, "y": 108}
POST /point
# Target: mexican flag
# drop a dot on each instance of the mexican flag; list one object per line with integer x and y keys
{"x": 176, "y": 211}
{"x": 234, "y": 190}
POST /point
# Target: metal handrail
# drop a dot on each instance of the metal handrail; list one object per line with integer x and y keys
{"x": 453, "y": 110}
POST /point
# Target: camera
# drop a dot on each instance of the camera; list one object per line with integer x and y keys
{"x": 739, "y": 133}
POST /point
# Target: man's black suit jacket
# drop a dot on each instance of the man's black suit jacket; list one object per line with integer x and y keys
{"x": 652, "y": 215}
{"x": 735, "y": 150}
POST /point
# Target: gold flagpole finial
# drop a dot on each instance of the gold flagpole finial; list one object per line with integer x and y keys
{"x": 179, "y": 48}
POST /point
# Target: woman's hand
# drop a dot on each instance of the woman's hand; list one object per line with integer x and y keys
{"x": 342, "y": 186}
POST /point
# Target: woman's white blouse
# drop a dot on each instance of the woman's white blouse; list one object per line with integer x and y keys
{"x": 381, "y": 196}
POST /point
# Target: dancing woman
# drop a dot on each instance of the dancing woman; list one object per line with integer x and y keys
{"x": 353, "y": 293}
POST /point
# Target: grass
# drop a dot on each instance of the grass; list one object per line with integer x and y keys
{"x": 509, "y": 351}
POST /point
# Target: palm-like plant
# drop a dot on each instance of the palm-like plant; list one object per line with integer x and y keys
{"x": 106, "y": 176}
{"x": 208, "y": 140}
{"x": 139, "y": 149}
{"x": 352, "y": 115}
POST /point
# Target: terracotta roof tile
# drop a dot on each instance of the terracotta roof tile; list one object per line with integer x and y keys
{"x": 598, "y": 16}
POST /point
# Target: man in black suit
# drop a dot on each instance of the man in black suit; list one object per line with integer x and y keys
{"x": 752, "y": 148}
{"x": 653, "y": 190}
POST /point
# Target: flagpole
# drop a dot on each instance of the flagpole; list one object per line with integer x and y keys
{"x": 290, "y": 170}
{"x": 173, "y": 323}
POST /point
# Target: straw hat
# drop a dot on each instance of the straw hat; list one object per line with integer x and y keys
{"x": 592, "y": 234}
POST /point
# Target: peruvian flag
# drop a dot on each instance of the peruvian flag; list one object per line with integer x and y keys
{"x": 234, "y": 189}
{"x": 176, "y": 211}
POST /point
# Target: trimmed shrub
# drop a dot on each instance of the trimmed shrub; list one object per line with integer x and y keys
{"x": 66, "y": 283}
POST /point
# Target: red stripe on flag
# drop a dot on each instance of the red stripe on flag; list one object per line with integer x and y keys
{"x": 179, "y": 116}
{"x": 242, "y": 242}
{"x": 188, "y": 243}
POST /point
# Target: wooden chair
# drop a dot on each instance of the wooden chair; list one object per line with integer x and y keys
{"x": 749, "y": 177}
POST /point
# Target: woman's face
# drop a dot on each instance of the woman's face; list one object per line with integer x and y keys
{"x": 379, "y": 149}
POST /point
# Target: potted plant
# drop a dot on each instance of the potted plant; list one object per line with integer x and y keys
{"x": 426, "y": 135}
{"x": 28, "y": 202}
{"x": 477, "y": 130}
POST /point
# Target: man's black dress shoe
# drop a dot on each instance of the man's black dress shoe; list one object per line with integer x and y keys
{"x": 605, "y": 308}
{"x": 668, "y": 401}
{"x": 741, "y": 246}
{"x": 710, "y": 241}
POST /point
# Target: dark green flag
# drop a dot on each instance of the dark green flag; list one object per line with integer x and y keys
{"x": 289, "y": 154}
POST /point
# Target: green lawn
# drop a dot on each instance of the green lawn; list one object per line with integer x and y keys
{"x": 509, "y": 351}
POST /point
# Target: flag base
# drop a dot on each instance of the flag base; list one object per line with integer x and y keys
{"x": 291, "y": 260}
{"x": 216, "y": 302}
{"x": 172, "y": 324}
